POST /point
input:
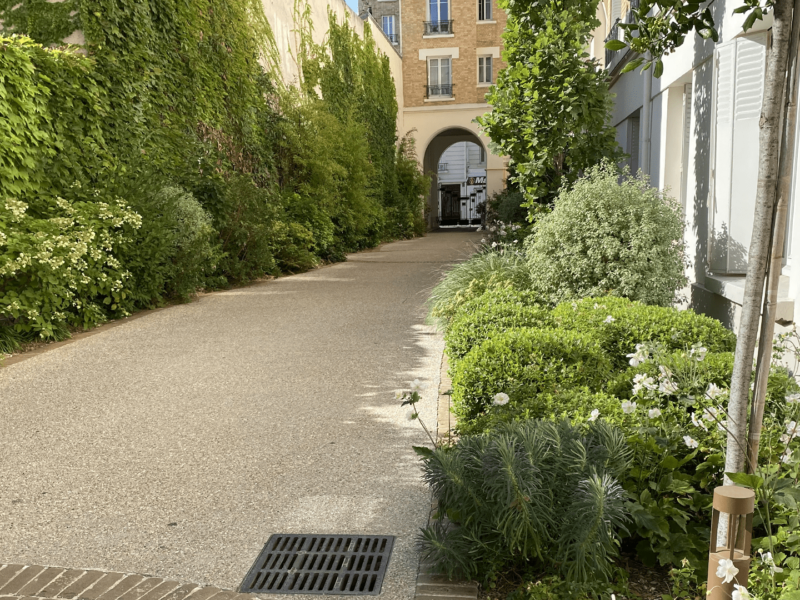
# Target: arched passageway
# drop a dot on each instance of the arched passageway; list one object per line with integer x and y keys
{"x": 458, "y": 186}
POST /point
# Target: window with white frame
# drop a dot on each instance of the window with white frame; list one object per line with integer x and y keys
{"x": 439, "y": 77}
{"x": 439, "y": 10}
{"x": 484, "y": 10}
{"x": 737, "y": 91}
{"x": 485, "y": 69}
{"x": 388, "y": 25}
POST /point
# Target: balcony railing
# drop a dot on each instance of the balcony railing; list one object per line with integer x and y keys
{"x": 438, "y": 27}
{"x": 617, "y": 33}
{"x": 439, "y": 91}
{"x": 393, "y": 37}
{"x": 442, "y": 167}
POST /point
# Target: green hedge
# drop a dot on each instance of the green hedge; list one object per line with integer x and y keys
{"x": 495, "y": 310}
{"x": 543, "y": 360}
{"x": 632, "y": 323}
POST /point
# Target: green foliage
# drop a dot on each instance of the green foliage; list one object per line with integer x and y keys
{"x": 490, "y": 313}
{"x": 543, "y": 360}
{"x": 550, "y": 106}
{"x": 609, "y": 237}
{"x": 171, "y": 120}
{"x": 507, "y": 206}
{"x": 529, "y": 493}
{"x": 467, "y": 280}
{"x": 47, "y": 22}
{"x": 632, "y": 323}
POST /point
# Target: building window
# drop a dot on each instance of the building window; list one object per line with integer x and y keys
{"x": 439, "y": 78}
{"x": 484, "y": 69}
{"x": 388, "y": 24}
{"x": 484, "y": 10}
{"x": 440, "y": 10}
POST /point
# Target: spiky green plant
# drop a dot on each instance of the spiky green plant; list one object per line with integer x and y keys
{"x": 531, "y": 493}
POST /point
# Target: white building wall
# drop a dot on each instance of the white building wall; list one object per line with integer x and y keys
{"x": 681, "y": 151}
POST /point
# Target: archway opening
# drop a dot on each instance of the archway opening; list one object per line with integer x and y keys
{"x": 456, "y": 161}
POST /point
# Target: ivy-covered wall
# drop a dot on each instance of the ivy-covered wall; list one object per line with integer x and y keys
{"x": 167, "y": 156}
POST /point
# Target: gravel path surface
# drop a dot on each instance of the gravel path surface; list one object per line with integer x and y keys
{"x": 176, "y": 444}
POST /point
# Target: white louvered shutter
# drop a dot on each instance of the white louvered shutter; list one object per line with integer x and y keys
{"x": 687, "y": 135}
{"x": 738, "y": 91}
{"x": 633, "y": 144}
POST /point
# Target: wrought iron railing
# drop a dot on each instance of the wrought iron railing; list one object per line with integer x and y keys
{"x": 442, "y": 167}
{"x": 617, "y": 33}
{"x": 444, "y": 90}
{"x": 438, "y": 27}
{"x": 393, "y": 37}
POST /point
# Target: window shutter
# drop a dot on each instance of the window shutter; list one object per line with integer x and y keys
{"x": 687, "y": 132}
{"x": 633, "y": 144}
{"x": 738, "y": 91}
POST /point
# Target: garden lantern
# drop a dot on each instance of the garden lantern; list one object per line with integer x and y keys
{"x": 736, "y": 504}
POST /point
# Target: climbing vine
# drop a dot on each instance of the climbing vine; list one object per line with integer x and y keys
{"x": 169, "y": 155}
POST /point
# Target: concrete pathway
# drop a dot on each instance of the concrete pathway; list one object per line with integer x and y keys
{"x": 176, "y": 444}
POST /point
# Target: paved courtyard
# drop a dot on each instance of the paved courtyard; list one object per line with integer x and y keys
{"x": 176, "y": 444}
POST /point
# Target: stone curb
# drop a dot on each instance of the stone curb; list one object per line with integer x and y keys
{"x": 34, "y": 582}
{"x": 432, "y": 586}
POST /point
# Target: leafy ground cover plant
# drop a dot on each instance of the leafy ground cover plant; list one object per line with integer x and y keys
{"x": 609, "y": 234}
{"x": 537, "y": 491}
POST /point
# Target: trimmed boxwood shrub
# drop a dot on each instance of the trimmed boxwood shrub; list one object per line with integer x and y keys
{"x": 634, "y": 323}
{"x": 492, "y": 312}
{"x": 543, "y": 360}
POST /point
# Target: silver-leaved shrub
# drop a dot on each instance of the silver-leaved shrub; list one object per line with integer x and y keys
{"x": 609, "y": 234}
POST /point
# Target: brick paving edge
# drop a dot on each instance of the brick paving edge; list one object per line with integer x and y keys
{"x": 432, "y": 586}
{"x": 37, "y": 582}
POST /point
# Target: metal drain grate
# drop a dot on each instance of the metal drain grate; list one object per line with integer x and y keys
{"x": 320, "y": 564}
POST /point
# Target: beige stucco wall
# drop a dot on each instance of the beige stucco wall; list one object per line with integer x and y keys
{"x": 280, "y": 14}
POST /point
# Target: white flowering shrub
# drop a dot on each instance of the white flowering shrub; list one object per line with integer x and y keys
{"x": 58, "y": 263}
{"x": 608, "y": 236}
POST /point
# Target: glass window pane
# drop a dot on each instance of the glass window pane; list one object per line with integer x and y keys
{"x": 445, "y": 63}
{"x": 434, "y": 8}
{"x": 444, "y": 10}
{"x": 488, "y": 10}
{"x": 488, "y": 69}
{"x": 433, "y": 71}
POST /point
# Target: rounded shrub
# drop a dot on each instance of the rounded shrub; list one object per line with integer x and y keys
{"x": 542, "y": 360}
{"x": 493, "y": 311}
{"x": 608, "y": 236}
{"x": 619, "y": 324}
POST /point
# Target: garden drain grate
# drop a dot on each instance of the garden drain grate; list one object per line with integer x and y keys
{"x": 320, "y": 564}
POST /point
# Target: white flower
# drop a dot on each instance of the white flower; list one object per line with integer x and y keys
{"x": 690, "y": 441}
{"x": 494, "y": 244}
{"x": 609, "y": 319}
{"x": 740, "y": 593}
{"x": 418, "y": 386}
{"x": 787, "y": 456}
{"x": 710, "y": 413}
{"x": 766, "y": 558}
{"x": 654, "y": 413}
{"x": 500, "y": 399}
{"x": 483, "y": 240}
{"x": 639, "y": 356}
{"x": 698, "y": 423}
{"x": 699, "y": 352}
{"x": 667, "y": 387}
{"x": 713, "y": 391}
{"x": 628, "y": 407}
{"x": 722, "y": 425}
{"x": 793, "y": 399}
{"x": 791, "y": 430}
{"x": 594, "y": 415}
{"x": 643, "y": 381}
{"x": 726, "y": 570}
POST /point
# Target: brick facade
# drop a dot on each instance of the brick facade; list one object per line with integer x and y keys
{"x": 384, "y": 8}
{"x": 468, "y": 35}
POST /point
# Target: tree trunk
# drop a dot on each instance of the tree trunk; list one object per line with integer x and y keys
{"x": 785, "y": 165}
{"x": 768, "y": 142}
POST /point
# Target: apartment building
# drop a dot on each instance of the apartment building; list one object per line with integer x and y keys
{"x": 694, "y": 131}
{"x": 387, "y": 14}
{"x": 451, "y": 56}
